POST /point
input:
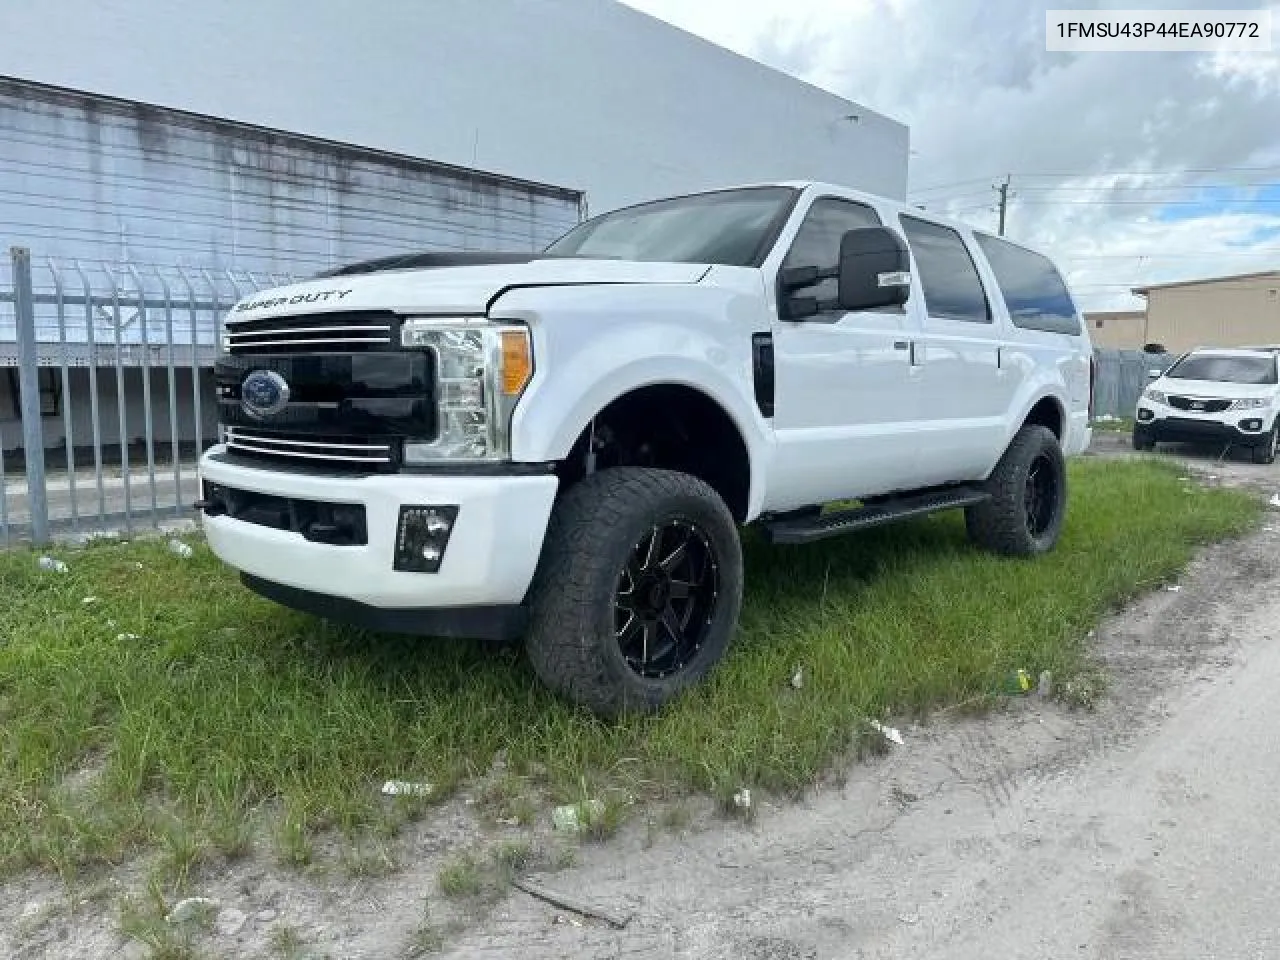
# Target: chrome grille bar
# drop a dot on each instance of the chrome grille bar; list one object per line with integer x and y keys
{"x": 323, "y": 332}
{"x": 332, "y": 451}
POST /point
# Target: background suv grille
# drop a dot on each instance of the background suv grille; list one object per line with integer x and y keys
{"x": 310, "y": 449}
{"x": 1195, "y": 403}
{"x": 314, "y": 333}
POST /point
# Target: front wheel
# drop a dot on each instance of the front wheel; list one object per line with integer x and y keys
{"x": 638, "y": 590}
{"x": 1270, "y": 446}
{"x": 1143, "y": 443}
{"x": 1028, "y": 497}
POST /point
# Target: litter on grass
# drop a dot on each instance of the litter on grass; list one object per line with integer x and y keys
{"x": 1174, "y": 587}
{"x": 1274, "y": 501}
{"x": 797, "y": 678}
{"x": 742, "y": 799}
{"x": 889, "y": 733}
{"x": 574, "y": 816}
{"x": 49, "y": 563}
{"x": 191, "y": 908}
{"x": 405, "y": 788}
{"x": 180, "y": 549}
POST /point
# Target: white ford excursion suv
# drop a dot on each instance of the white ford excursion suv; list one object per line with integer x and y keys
{"x": 562, "y": 446}
{"x": 1227, "y": 397}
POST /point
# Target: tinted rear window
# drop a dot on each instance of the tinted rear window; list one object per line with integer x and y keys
{"x": 1033, "y": 290}
{"x": 1225, "y": 369}
{"x": 948, "y": 278}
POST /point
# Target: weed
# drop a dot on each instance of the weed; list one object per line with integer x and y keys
{"x": 676, "y": 816}
{"x": 287, "y": 943}
{"x": 514, "y": 856}
{"x": 145, "y": 921}
{"x": 460, "y": 877}
{"x": 369, "y": 857}
{"x": 293, "y": 842}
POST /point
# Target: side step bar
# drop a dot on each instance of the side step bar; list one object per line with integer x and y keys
{"x": 806, "y": 529}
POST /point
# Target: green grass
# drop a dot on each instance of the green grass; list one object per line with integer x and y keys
{"x": 1119, "y": 425}
{"x": 236, "y": 718}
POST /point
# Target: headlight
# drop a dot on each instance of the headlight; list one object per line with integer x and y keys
{"x": 1250, "y": 403}
{"x": 1155, "y": 396}
{"x": 482, "y": 369}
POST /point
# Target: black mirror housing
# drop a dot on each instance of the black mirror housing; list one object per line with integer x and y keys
{"x": 875, "y": 269}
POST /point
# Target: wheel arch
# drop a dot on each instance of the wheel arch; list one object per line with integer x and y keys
{"x": 671, "y": 424}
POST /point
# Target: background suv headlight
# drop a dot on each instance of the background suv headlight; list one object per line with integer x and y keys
{"x": 1154, "y": 395}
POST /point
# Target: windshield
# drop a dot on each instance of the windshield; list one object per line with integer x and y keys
{"x": 1226, "y": 369}
{"x": 730, "y": 227}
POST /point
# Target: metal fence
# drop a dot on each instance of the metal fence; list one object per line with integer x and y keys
{"x": 1121, "y": 378}
{"x": 109, "y": 375}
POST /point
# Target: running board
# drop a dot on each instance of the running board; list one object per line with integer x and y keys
{"x": 806, "y": 529}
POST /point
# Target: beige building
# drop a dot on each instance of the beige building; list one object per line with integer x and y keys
{"x": 1117, "y": 329}
{"x": 1236, "y": 311}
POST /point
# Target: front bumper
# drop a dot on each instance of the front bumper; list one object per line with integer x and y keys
{"x": 489, "y": 560}
{"x": 1183, "y": 429}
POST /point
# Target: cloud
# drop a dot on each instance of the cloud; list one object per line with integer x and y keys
{"x": 983, "y": 98}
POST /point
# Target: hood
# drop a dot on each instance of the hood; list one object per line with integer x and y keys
{"x": 466, "y": 290}
{"x": 1210, "y": 389}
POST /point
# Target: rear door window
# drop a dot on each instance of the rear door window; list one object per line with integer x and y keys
{"x": 1032, "y": 288}
{"x": 948, "y": 277}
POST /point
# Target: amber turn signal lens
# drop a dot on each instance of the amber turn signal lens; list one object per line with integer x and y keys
{"x": 517, "y": 361}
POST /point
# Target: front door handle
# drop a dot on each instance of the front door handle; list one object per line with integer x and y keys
{"x": 901, "y": 345}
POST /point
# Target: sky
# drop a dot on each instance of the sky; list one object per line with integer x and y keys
{"x": 1127, "y": 168}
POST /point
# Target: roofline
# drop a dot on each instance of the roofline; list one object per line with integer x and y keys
{"x": 73, "y": 96}
{"x": 1143, "y": 291}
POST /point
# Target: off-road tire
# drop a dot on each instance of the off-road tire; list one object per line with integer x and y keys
{"x": 1002, "y": 523}
{"x": 572, "y": 641}
{"x": 1143, "y": 444}
{"x": 1266, "y": 452}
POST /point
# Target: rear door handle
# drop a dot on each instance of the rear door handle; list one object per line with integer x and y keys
{"x": 901, "y": 345}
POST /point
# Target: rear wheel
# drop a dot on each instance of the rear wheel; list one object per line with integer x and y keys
{"x": 1028, "y": 501}
{"x": 1270, "y": 446}
{"x": 638, "y": 590}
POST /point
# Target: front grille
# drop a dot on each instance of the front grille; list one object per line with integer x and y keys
{"x": 1198, "y": 404}
{"x": 310, "y": 449}
{"x": 314, "y": 333}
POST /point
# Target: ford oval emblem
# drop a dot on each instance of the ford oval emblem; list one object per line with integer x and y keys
{"x": 264, "y": 393}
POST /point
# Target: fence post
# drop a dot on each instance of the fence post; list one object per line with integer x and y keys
{"x": 29, "y": 392}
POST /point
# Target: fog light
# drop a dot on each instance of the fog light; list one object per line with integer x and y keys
{"x": 1250, "y": 424}
{"x": 1144, "y": 414}
{"x": 422, "y": 536}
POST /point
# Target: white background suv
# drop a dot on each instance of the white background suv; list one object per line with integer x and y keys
{"x": 1228, "y": 397}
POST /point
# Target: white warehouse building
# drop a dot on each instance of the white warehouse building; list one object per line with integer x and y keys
{"x": 196, "y": 150}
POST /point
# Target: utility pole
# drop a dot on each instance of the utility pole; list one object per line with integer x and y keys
{"x": 1003, "y": 190}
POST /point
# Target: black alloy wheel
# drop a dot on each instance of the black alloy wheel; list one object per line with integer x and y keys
{"x": 666, "y": 598}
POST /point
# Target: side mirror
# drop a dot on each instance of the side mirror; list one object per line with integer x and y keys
{"x": 1154, "y": 374}
{"x": 875, "y": 269}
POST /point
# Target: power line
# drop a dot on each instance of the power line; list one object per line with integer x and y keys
{"x": 1184, "y": 171}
